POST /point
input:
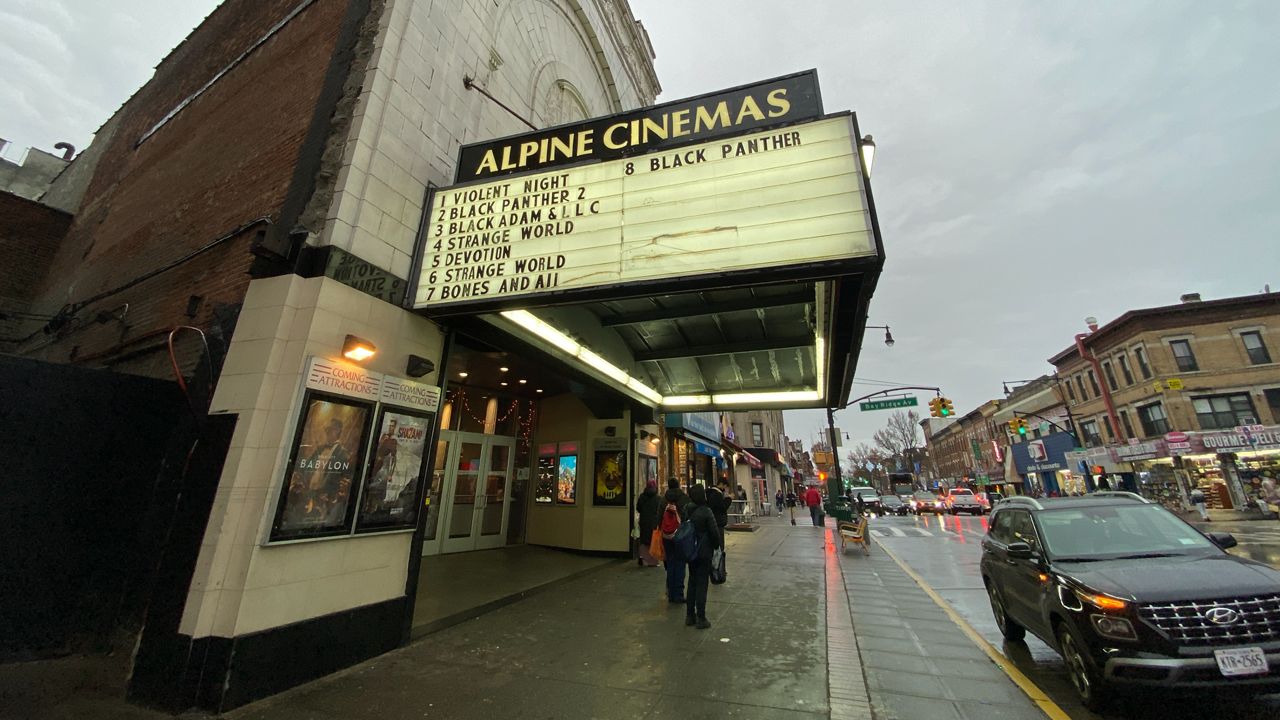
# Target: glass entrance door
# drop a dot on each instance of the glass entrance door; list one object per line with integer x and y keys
{"x": 476, "y": 491}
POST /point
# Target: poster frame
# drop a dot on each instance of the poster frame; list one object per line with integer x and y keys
{"x": 276, "y": 535}
{"x": 598, "y": 500}
{"x": 429, "y": 418}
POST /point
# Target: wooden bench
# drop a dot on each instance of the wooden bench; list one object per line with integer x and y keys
{"x": 855, "y": 531}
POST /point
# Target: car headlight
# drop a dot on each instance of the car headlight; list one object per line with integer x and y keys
{"x": 1116, "y": 628}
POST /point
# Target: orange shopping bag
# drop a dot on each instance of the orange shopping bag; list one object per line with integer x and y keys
{"x": 655, "y": 546}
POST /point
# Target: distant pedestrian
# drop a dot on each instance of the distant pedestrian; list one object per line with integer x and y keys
{"x": 648, "y": 507}
{"x": 1103, "y": 483}
{"x": 860, "y": 504}
{"x": 1198, "y": 500}
{"x": 1270, "y": 495}
{"x": 671, "y": 517}
{"x": 709, "y": 540}
{"x": 777, "y": 501}
{"x": 719, "y": 500}
{"x": 813, "y": 499}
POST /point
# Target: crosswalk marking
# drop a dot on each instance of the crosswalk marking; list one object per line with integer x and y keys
{"x": 892, "y": 531}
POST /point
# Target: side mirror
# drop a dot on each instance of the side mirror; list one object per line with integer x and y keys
{"x": 1019, "y": 551}
{"x": 1222, "y": 539}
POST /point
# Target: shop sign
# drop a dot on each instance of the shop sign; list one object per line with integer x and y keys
{"x": 1036, "y": 450}
{"x": 1174, "y": 383}
{"x": 1176, "y": 437}
{"x": 1140, "y": 451}
{"x": 705, "y": 424}
{"x": 1267, "y": 437}
{"x": 409, "y": 393}
{"x": 765, "y": 104}
{"x": 789, "y": 198}
{"x": 1045, "y": 467}
{"x": 343, "y": 379}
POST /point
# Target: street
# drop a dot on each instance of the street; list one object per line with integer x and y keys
{"x": 945, "y": 552}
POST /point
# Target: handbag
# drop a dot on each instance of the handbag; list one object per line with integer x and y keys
{"x": 718, "y": 572}
{"x": 655, "y": 546}
{"x": 686, "y": 539}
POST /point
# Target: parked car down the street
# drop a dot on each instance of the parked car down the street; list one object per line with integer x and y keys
{"x": 893, "y": 505}
{"x": 927, "y": 502}
{"x": 963, "y": 501}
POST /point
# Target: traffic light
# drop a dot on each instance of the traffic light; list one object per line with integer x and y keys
{"x": 935, "y": 407}
{"x": 822, "y": 476}
{"x": 946, "y": 408}
{"x": 1018, "y": 426}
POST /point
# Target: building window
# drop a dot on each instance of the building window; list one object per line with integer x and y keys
{"x": 1153, "y": 420}
{"x": 757, "y": 435}
{"x": 1093, "y": 384}
{"x": 1111, "y": 432}
{"x": 1143, "y": 367}
{"x": 1124, "y": 369}
{"x": 1080, "y": 384}
{"x": 1090, "y": 430}
{"x": 1111, "y": 376}
{"x": 1273, "y": 402}
{"x": 1223, "y": 412}
{"x": 1071, "y": 393}
{"x": 1128, "y": 427}
{"x": 1257, "y": 350}
{"x": 1183, "y": 356}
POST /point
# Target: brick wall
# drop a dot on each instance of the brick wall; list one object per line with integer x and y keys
{"x": 225, "y": 159}
{"x": 29, "y": 236}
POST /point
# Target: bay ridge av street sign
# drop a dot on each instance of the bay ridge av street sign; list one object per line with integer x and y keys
{"x": 888, "y": 404}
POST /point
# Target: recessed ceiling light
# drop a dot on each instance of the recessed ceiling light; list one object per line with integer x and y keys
{"x": 462, "y": 374}
{"x": 523, "y": 381}
{"x": 502, "y": 369}
{"x": 539, "y": 389}
{"x": 503, "y": 384}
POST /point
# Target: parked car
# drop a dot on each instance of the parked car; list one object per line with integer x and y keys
{"x": 927, "y": 502}
{"x": 963, "y": 501}
{"x": 893, "y": 505}
{"x": 1130, "y": 594}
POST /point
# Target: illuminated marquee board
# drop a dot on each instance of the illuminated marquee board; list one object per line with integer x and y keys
{"x": 778, "y": 198}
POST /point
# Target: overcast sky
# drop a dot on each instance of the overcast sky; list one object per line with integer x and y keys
{"x": 1037, "y": 162}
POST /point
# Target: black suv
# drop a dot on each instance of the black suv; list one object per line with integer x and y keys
{"x": 1128, "y": 593}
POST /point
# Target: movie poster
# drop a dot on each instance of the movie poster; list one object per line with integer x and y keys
{"x": 648, "y": 473}
{"x": 544, "y": 489}
{"x": 567, "y": 480}
{"x": 323, "y": 468}
{"x": 610, "y": 480}
{"x": 394, "y": 475}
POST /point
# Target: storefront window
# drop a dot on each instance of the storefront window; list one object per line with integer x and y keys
{"x": 1223, "y": 412}
{"x": 1253, "y": 345}
{"x": 1153, "y": 420}
{"x": 1183, "y": 356}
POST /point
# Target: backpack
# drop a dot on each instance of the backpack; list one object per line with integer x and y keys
{"x": 670, "y": 521}
{"x": 686, "y": 539}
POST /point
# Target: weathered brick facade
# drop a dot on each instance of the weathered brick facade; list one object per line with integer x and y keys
{"x": 1136, "y": 352}
{"x": 29, "y": 237}
{"x": 165, "y": 188}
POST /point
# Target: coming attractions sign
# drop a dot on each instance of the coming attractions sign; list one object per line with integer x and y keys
{"x": 744, "y": 180}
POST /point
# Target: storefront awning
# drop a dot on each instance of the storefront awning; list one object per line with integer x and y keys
{"x": 742, "y": 453}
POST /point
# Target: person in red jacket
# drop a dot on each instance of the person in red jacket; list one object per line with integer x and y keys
{"x": 813, "y": 499}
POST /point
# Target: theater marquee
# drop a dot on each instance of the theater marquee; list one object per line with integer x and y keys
{"x": 772, "y": 199}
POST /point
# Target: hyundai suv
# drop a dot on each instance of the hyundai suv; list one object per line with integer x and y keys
{"x": 1130, "y": 594}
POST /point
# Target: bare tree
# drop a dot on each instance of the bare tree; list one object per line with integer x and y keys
{"x": 900, "y": 433}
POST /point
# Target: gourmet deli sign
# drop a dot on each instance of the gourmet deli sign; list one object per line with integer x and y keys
{"x": 775, "y": 199}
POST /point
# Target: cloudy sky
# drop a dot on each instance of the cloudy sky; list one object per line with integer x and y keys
{"x": 1037, "y": 162}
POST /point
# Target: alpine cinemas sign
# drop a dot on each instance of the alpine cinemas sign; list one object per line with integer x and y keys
{"x": 776, "y": 198}
{"x": 767, "y": 104}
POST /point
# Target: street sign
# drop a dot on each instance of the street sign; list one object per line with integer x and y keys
{"x": 888, "y": 404}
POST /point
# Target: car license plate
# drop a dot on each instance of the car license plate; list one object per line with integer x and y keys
{"x": 1241, "y": 661}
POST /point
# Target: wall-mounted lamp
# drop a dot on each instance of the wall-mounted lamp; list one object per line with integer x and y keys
{"x": 358, "y": 349}
{"x": 646, "y": 435}
{"x": 418, "y": 366}
{"x": 868, "y": 152}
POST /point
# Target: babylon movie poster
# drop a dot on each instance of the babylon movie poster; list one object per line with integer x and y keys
{"x": 610, "y": 487}
{"x": 322, "y": 467}
{"x": 395, "y": 471}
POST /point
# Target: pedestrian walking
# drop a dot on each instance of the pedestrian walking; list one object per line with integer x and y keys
{"x": 672, "y": 515}
{"x": 860, "y": 504}
{"x": 1198, "y": 500}
{"x": 709, "y": 540}
{"x": 1270, "y": 495}
{"x": 813, "y": 499}
{"x": 777, "y": 501}
{"x": 791, "y": 505}
{"x": 648, "y": 507}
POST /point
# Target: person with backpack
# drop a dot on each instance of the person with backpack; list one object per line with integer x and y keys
{"x": 670, "y": 518}
{"x": 706, "y": 535}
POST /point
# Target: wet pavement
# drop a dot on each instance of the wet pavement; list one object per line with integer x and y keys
{"x": 945, "y": 552}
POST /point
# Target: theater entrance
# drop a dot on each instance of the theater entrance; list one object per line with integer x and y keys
{"x": 470, "y": 502}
